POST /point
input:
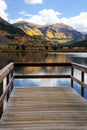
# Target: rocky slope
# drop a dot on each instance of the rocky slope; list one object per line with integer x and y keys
{"x": 9, "y": 35}
{"x": 14, "y": 37}
{"x": 8, "y": 29}
{"x": 58, "y": 32}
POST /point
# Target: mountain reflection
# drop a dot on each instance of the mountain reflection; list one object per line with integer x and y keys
{"x": 6, "y": 58}
{"x": 44, "y": 58}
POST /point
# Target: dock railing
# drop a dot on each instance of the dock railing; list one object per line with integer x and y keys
{"x": 8, "y": 73}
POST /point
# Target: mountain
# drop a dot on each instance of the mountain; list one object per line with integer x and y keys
{"x": 14, "y": 37}
{"x": 29, "y": 28}
{"x": 57, "y": 32}
{"x": 8, "y": 29}
{"x": 4, "y": 42}
{"x": 9, "y": 35}
{"x": 28, "y": 35}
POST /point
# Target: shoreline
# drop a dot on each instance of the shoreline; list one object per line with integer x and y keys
{"x": 44, "y": 51}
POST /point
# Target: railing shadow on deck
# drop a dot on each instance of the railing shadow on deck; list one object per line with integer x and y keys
{"x": 8, "y": 73}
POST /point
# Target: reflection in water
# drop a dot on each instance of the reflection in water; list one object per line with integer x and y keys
{"x": 40, "y": 70}
{"x": 81, "y": 58}
{"x": 5, "y": 58}
{"x": 41, "y": 82}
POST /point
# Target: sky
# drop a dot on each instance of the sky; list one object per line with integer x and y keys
{"x": 42, "y": 12}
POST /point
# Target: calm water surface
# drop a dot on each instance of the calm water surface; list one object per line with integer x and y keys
{"x": 6, "y": 58}
{"x": 80, "y": 58}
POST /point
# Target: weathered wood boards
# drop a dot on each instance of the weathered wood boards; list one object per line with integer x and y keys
{"x": 56, "y": 108}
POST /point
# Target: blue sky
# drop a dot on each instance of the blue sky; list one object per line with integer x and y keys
{"x": 70, "y": 12}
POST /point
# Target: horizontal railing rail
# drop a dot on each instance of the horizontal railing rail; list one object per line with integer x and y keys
{"x": 83, "y": 70}
{"x": 72, "y": 65}
{"x": 5, "y": 71}
{"x": 41, "y": 76}
{"x": 6, "y": 91}
{"x": 79, "y": 82}
{"x": 8, "y": 72}
{"x": 26, "y": 64}
{"x": 23, "y": 64}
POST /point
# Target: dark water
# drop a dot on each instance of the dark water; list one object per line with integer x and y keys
{"x": 6, "y": 58}
{"x": 80, "y": 58}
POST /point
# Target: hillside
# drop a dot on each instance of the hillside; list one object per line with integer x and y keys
{"x": 5, "y": 42}
{"x": 14, "y": 37}
{"x": 8, "y": 29}
{"x": 24, "y": 35}
{"x": 59, "y": 32}
{"x": 81, "y": 43}
{"x": 9, "y": 35}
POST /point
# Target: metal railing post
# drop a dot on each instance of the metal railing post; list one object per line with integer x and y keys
{"x": 72, "y": 70}
{"x": 82, "y": 88}
{"x": 7, "y": 78}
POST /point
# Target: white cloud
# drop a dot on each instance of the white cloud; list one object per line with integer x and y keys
{"x": 78, "y": 22}
{"x": 3, "y": 7}
{"x": 24, "y": 13}
{"x": 42, "y": 18}
{"x": 50, "y": 16}
{"x": 33, "y": 1}
{"x": 46, "y": 17}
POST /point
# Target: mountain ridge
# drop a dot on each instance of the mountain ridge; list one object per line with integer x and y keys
{"x": 29, "y": 35}
{"x": 58, "y": 31}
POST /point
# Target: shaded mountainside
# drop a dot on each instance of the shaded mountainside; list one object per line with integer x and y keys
{"x": 82, "y": 43}
{"x": 4, "y": 42}
{"x": 9, "y": 35}
{"x": 15, "y": 36}
{"x": 59, "y": 32}
{"x": 8, "y": 29}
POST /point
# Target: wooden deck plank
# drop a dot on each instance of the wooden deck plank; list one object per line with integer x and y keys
{"x": 45, "y": 108}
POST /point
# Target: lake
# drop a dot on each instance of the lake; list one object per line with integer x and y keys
{"x": 80, "y": 58}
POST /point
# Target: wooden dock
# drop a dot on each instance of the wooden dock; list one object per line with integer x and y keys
{"x": 45, "y": 108}
{"x": 42, "y": 108}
